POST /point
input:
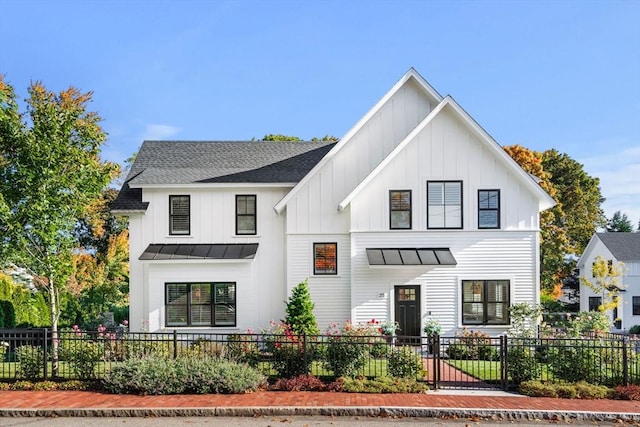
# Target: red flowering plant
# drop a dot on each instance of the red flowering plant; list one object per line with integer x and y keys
{"x": 349, "y": 346}
{"x": 244, "y": 348}
{"x": 291, "y": 355}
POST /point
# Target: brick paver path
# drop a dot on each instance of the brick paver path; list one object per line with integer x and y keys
{"x": 82, "y": 399}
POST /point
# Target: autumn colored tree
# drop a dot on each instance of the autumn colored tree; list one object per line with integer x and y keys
{"x": 607, "y": 282}
{"x": 49, "y": 174}
{"x": 566, "y": 228}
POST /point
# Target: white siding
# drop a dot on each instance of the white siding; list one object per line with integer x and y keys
{"x": 314, "y": 208}
{"x": 261, "y": 282}
{"x": 330, "y": 293}
{"x": 480, "y": 256}
{"x": 466, "y": 160}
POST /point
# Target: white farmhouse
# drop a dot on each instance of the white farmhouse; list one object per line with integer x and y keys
{"x": 614, "y": 248}
{"x": 415, "y": 213}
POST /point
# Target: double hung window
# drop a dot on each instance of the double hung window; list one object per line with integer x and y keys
{"x": 636, "y": 306}
{"x": 485, "y": 302}
{"x": 594, "y": 303}
{"x": 246, "y": 214}
{"x": 179, "y": 215}
{"x": 444, "y": 204}
{"x": 488, "y": 208}
{"x": 200, "y": 304}
{"x": 400, "y": 209}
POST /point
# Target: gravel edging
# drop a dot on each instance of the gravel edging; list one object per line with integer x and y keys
{"x": 359, "y": 411}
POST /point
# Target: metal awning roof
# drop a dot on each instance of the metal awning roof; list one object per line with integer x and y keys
{"x": 410, "y": 256}
{"x": 220, "y": 251}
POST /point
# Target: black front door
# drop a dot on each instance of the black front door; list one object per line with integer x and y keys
{"x": 408, "y": 310}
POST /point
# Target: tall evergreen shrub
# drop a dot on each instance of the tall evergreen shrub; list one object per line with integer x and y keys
{"x": 300, "y": 311}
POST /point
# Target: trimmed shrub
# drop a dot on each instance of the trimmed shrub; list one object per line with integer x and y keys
{"x": 382, "y": 385}
{"x": 634, "y": 330}
{"x": 404, "y": 362}
{"x": 579, "y": 390}
{"x": 7, "y": 314}
{"x": 187, "y": 375}
{"x": 592, "y": 361}
{"x": 348, "y": 348}
{"x": 522, "y": 364}
{"x": 31, "y": 360}
{"x": 472, "y": 345}
{"x": 82, "y": 355}
{"x": 299, "y": 383}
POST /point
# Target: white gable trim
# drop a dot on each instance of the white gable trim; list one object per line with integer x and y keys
{"x": 393, "y": 154}
{"x": 412, "y": 73}
{"x": 526, "y": 179}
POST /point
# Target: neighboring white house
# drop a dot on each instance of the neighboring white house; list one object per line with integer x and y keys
{"x": 415, "y": 213}
{"x": 615, "y": 248}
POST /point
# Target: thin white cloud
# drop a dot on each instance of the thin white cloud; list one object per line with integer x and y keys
{"x": 619, "y": 172}
{"x": 154, "y": 132}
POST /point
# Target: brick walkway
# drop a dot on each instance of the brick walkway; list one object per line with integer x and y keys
{"x": 84, "y": 400}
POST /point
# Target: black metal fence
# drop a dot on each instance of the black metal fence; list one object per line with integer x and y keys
{"x": 475, "y": 361}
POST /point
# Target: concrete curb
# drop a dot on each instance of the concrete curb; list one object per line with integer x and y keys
{"x": 359, "y": 411}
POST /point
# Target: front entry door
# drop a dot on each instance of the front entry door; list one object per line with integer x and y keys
{"x": 408, "y": 310}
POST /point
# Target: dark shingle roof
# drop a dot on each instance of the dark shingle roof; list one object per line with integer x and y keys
{"x": 194, "y": 162}
{"x": 623, "y": 246}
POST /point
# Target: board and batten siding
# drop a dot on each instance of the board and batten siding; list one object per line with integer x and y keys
{"x": 445, "y": 150}
{"x": 480, "y": 255}
{"x": 330, "y": 293}
{"x": 314, "y": 207}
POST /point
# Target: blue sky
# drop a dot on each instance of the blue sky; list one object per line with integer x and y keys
{"x": 543, "y": 74}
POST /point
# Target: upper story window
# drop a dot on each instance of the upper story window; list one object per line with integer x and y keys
{"x": 325, "y": 258}
{"x": 246, "y": 214}
{"x": 488, "y": 208}
{"x": 485, "y": 302}
{"x": 179, "y": 215}
{"x": 200, "y": 304}
{"x": 444, "y": 204}
{"x": 635, "y": 302}
{"x": 400, "y": 209}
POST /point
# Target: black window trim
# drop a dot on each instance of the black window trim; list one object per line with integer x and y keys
{"x": 315, "y": 271}
{"x": 213, "y": 304}
{"x": 461, "y": 204}
{"x": 254, "y": 215}
{"x": 634, "y": 306}
{"x": 497, "y": 210}
{"x": 171, "y": 232}
{"x": 391, "y": 210}
{"x": 485, "y": 301}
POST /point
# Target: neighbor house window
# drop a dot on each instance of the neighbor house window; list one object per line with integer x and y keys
{"x": 485, "y": 302}
{"x": 200, "y": 304}
{"x": 444, "y": 204}
{"x": 488, "y": 208}
{"x": 246, "y": 214}
{"x": 179, "y": 215}
{"x": 636, "y": 306}
{"x": 325, "y": 258}
{"x": 400, "y": 210}
{"x": 594, "y": 303}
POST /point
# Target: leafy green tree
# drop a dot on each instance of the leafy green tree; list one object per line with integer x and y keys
{"x": 30, "y": 306}
{"x": 279, "y": 137}
{"x": 327, "y": 137}
{"x": 567, "y": 227}
{"x": 50, "y": 173}
{"x": 300, "y": 311}
{"x": 619, "y": 222}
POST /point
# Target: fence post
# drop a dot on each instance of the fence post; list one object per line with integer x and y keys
{"x": 625, "y": 363}
{"x": 175, "y": 344}
{"x": 45, "y": 351}
{"x": 504, "y": 378}
{"x": 434, "y": 344}
{"x": 304, "y": 352}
